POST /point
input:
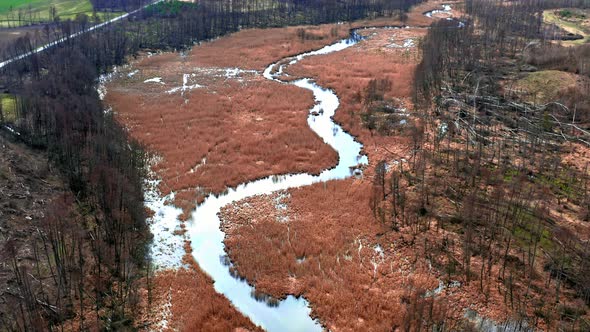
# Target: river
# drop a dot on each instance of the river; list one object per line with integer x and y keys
{"x": 291, "y": 314}
{"x": 203, "y": 229}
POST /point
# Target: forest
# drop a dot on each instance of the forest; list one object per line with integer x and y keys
{"x": 90, "y": 251}
{"x": 496, "y": 165}
{"x": 111, "y": 5}
{"x": 492, "y": 163}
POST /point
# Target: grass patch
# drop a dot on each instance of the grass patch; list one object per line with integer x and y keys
{"x": 40, "y": 11}
{"x": 561, "y": 184}
{"x": 571, "y": 20}
{"x": 524, "y": 238}
{"x": 510, "y": 174}
{"x": 567, "y": 13}
{"x": 5, "y": 5}
{"x": 8, "y": 102}
{"x": 544, "y": 86}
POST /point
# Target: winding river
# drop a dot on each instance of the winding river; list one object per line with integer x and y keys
{"x": 290, "y": 314}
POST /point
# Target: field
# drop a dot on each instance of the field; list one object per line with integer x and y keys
{"x": 575, "y": 21}
{"x": 547, "y": 85}
{"x": 331, "y": 256}
{"x": 215, "y": 125}
{"x": 38, "y": 11}
{"x": 347, "y": 73}
{"x": 7, "y": 4}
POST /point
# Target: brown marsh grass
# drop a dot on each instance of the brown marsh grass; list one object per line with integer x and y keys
{"x": 325, "y": 251}
{"x": 219, "y": 136}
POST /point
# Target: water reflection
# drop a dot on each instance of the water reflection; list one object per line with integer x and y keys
{"x": 290, "y": 314}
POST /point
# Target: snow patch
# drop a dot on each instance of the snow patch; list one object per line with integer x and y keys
{"x": 196, "y": 167}
{"x": 185, "y": 86}
{"x": 408, "y": 43}
{"x": 154, "y": 80}
{"x": 281, "y": 206}
{"x": 446, "y": 9}
{"x": 235, "y": 73}
{"x": 167, "y": 248}
{"x": 103, "y": 80}
{"x": 12, "y": 130}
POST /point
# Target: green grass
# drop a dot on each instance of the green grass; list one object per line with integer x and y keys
{"x": 8, "y": 107}
{"x": 561, "y": 184}
{"x": 574, "y": 26}
{"x": 40, "y": 9}
{"x": 525, "y": 237}
{"x": 544, "y": 86}
{"x": 510, "y": 174}
{"x": 567, "y": 13}
{"x": 5, "y": 5}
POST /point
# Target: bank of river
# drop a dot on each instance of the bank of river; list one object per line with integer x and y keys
{"x": 203, "y": 229}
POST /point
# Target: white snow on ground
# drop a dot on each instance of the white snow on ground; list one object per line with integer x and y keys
{"x": 227, "y": 73}
{"x": 154, "y": 80}
{"x": 185, "y": 87}
{"x": 441, "y": 287}
{"x": 446, "y": 10}
{"x": 408, "y": 43}
{"x": 203, "y": 162}
{"x": 281, "y": 206}
{"x": 12, "y": 130}
{"x": 103, "y": 80}
{"x": 235, "y": 73}
{"x": 167, "y": 248}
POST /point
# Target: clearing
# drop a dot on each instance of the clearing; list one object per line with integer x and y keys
{"x": 547, "y": 85}
{"x": 575, "y": 21}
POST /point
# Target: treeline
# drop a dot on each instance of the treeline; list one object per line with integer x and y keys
{"x": 487, "y": 165}
{"x": 92, "y": 242}
{"x": 209, "y": 19}
{"x": 175, "y": 24}
{"x": 550, "y": 4}
{"x": 117, "y": 5}
{"x": 91, "y": 248}
{"x": 58, "y": 29}
{"x": 496, "y": 41}
{"x": 31, "y": 16}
